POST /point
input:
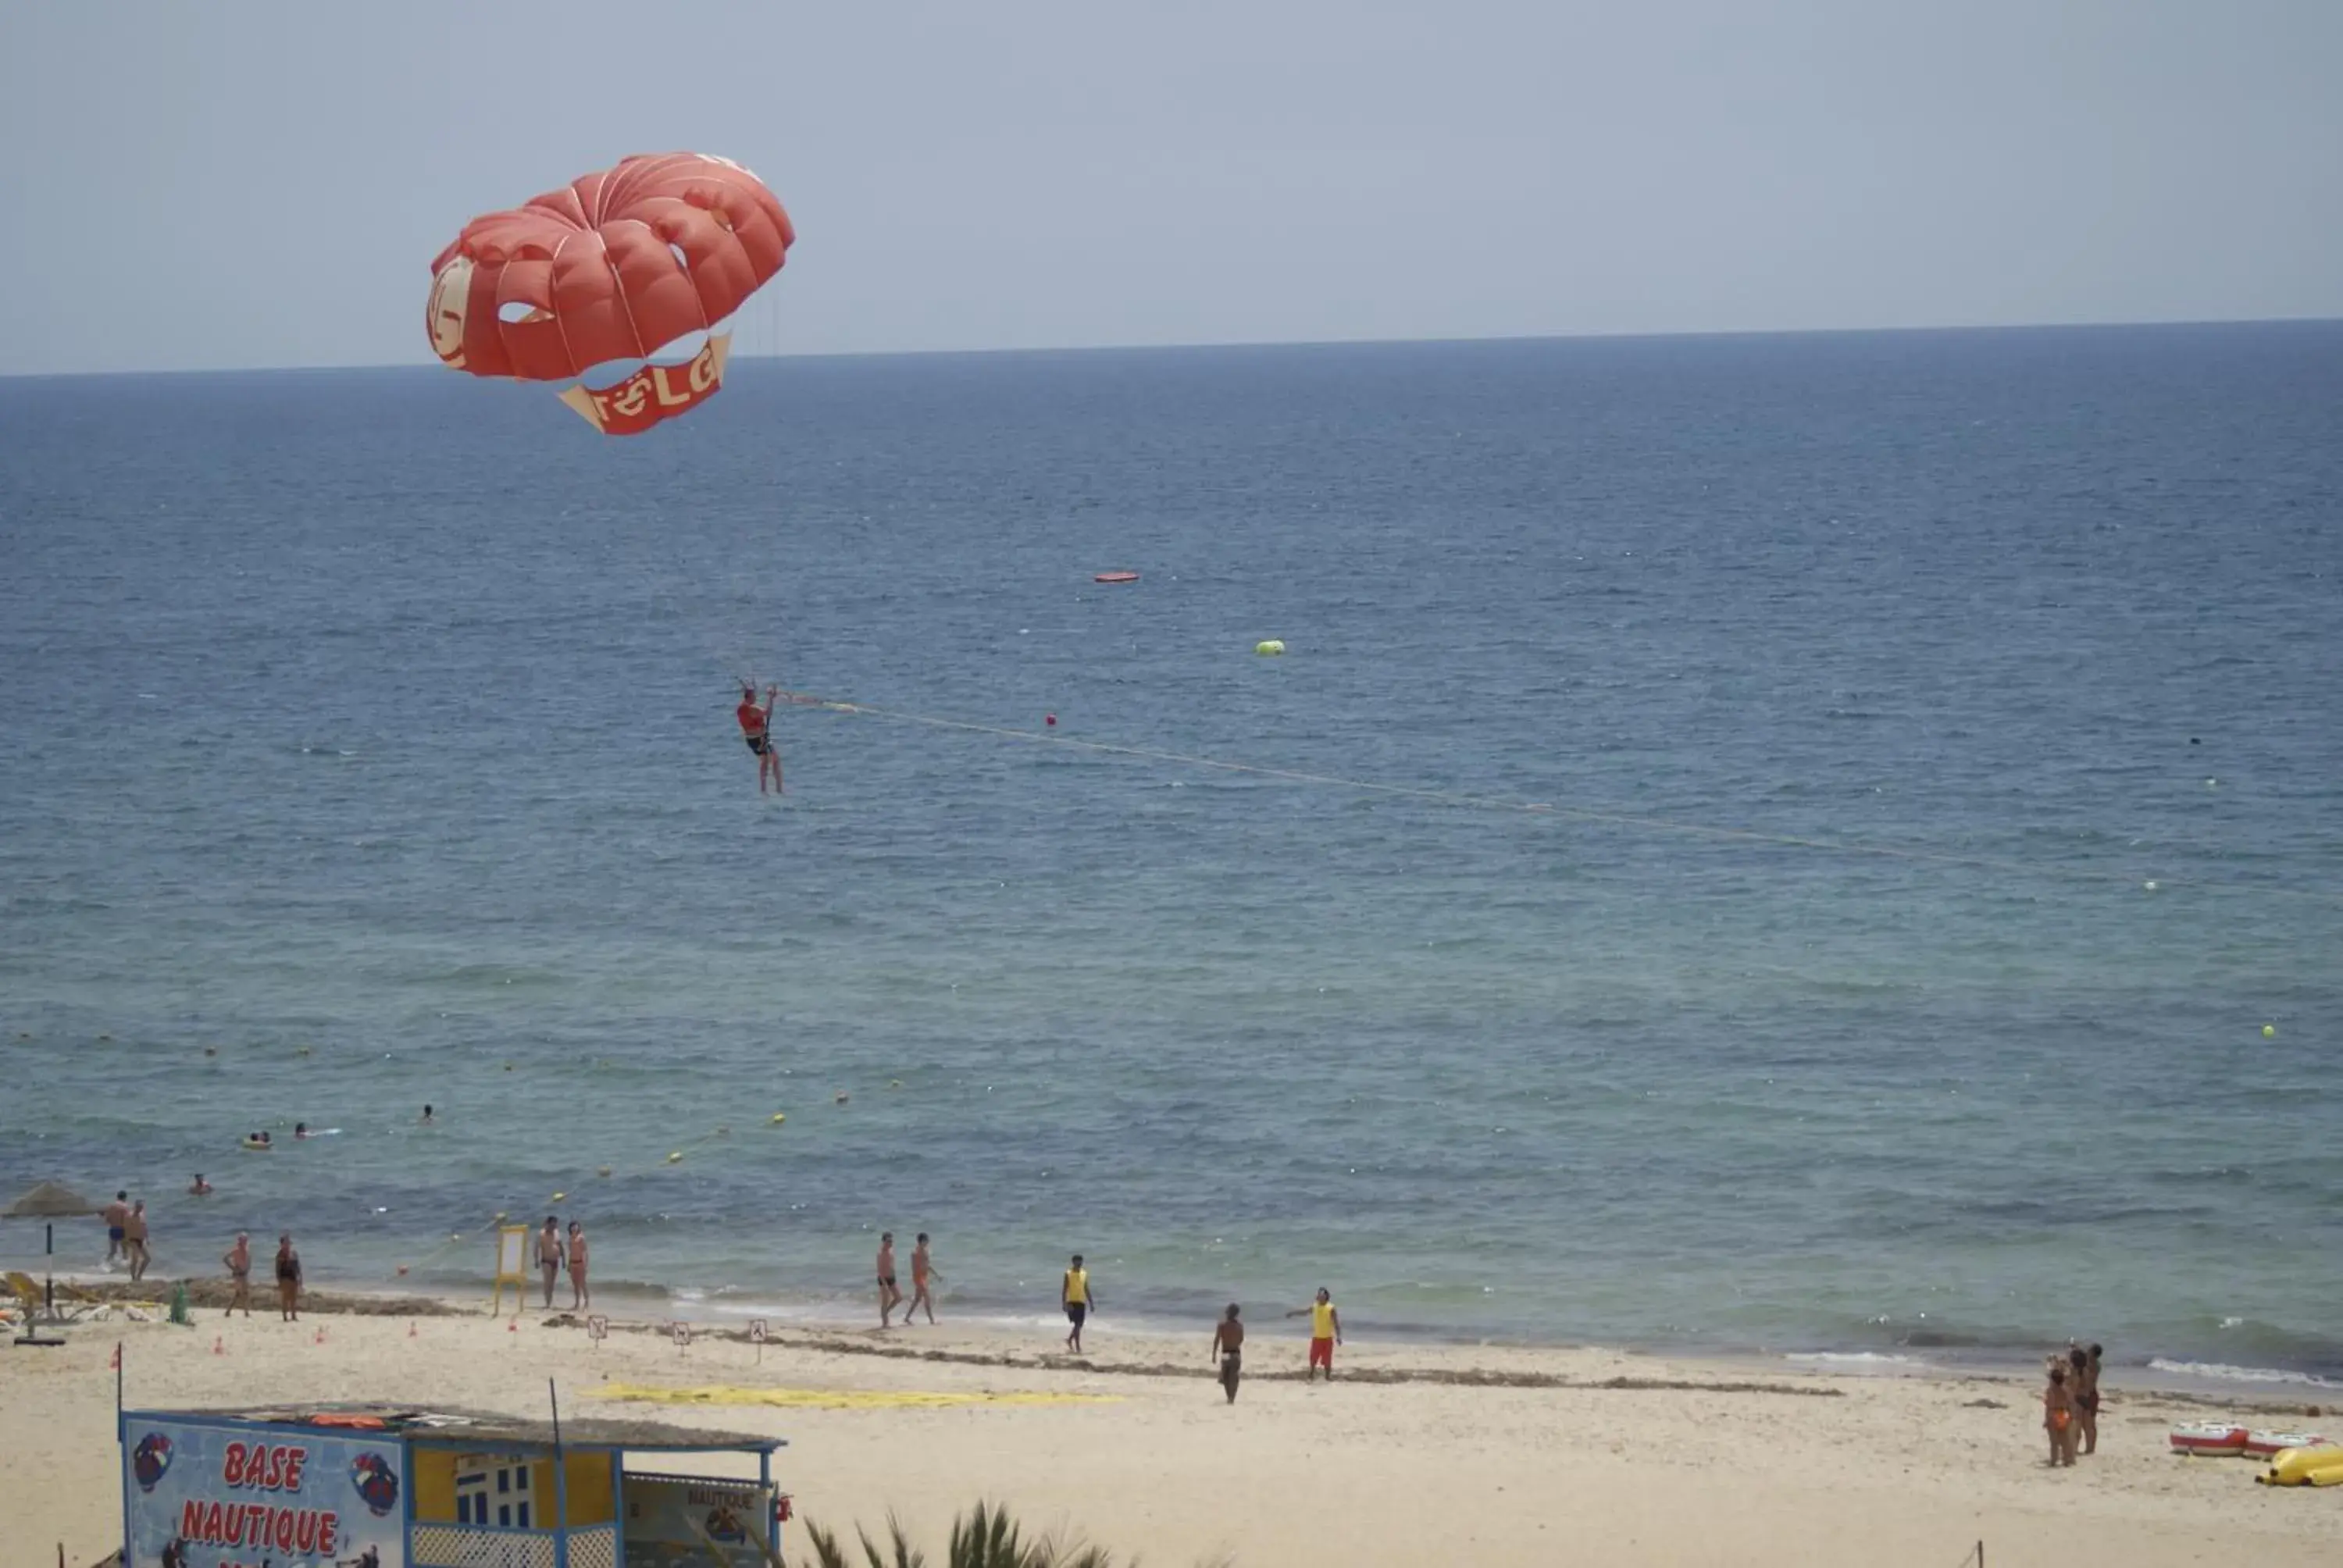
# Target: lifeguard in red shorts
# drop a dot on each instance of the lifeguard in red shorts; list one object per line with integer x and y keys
{"x": 1325, "y": 1332}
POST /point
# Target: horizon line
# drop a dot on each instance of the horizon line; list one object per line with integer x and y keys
{"x": 1005, "y": 350}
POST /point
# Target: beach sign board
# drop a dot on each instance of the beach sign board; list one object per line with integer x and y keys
{"x": 677, "y": 1520}
{"x": 203, "y": 1495}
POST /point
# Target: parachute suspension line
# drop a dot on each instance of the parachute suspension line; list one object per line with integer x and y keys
{"x": 1517, "y": 807}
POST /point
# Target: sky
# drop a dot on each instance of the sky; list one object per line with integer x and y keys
{"x": 245, "y": 184}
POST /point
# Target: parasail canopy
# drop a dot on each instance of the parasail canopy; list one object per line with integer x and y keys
{"x": 613, "y": 266}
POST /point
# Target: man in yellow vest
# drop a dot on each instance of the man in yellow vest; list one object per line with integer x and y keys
{"x": 1074, "y": 1295}
{"x": 1325, "y": 1334}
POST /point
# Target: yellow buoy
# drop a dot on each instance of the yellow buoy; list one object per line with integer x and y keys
{"x": 779, "y": 1117}
{"x": 2270, "y": 1031}
{"x": 558, "y": 1197}
{"x": 602, "y": 1170}
{"x": 674, "y": 1157}
{"x": 1268, "y": 645}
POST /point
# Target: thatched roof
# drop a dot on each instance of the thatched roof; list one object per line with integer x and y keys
{"x": 486, "y": 1427}
{"x": 50, "y": 1201}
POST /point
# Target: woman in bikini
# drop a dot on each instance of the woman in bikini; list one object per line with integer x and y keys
{"x": 2059, "y": 1415}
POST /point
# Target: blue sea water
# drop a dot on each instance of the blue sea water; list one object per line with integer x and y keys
{"x": 368, "y": 743}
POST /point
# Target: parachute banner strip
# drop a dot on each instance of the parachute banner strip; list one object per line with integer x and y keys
{"x": 654, "y": 392}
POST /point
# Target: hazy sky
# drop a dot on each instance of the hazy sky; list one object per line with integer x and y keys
{"x": 243, "y": 183}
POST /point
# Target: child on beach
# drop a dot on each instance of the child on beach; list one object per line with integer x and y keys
{"x": 2059, "y": 1415}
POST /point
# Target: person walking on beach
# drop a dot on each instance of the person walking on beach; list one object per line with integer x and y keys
{"x": 1228, "y": 1344}
{"x": 1075, "y": 1295}
{"x": 921, "y": 1269}
{"x": 114, "y": 1214}
{"x": 288, "y": 1280}
{"x": 887, "y": 1294}
{"x": 2059, "y": 1415}
{"x": 580, "y": 1296}
{"x": 134, "y": 1240}
{"x": 548, "y": 1256}
{"x": 1325, "y": 1334}
{"x": 237, "y": 1261}
{"x": 757, "y": 729}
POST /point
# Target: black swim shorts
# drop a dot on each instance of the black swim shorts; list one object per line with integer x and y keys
{"x": 1076, "y": 1311}
{"x": 755, "y": 743}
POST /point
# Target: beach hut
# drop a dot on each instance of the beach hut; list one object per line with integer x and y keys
{"x": 373, "y": 1486}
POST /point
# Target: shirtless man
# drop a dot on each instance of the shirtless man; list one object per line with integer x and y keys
{"x": 921, "y": 1268}
{"x": 202, "y": 1188}
{"x": 1228, "y": 1344}
{"x": 548, "y": 1256}
{"x": 889, "y": 1296}
{"x": 757, "y": 729}
{"x": 115, "y": 1214}
{"x": 134, "y": 1240}
{"x": 237, "y": 1261}
{"x": 1325, "y": 1334}
{"x": 580, "y": 1296}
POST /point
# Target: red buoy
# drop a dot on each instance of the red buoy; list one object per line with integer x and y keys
{"x": 1116, "y": 577}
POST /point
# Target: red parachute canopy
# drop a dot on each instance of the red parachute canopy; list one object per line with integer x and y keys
{"x": 613, "y": 266}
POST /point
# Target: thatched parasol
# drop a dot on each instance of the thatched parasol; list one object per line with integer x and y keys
{"x": 49, "y": 1201}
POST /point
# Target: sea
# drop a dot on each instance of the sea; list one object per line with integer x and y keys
{"x": 1815, "y": 846}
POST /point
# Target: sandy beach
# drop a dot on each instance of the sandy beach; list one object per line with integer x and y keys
{"x": 1432, "y": 1454}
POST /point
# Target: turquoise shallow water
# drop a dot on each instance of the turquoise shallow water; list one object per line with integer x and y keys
{"x": 372, "y": 731}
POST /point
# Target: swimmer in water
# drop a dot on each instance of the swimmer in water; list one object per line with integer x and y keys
{"x": 427, "y": 1116}
{"x": 300, "y": 1129}
{"x": 757, "y": 729}
{"x": 202, "y": 1188}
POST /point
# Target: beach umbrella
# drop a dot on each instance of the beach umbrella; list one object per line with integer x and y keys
{"x": 49, "y": 1201}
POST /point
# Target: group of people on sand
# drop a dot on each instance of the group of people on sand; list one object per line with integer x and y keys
{"x": 923, "y": 1272}
{"x": 125, "y": 1233}
{"x": 554, "y": 1254}
{"x": 1325, "y": 1334}
{"x": 2070, "y": 1403}
{"x": 237, "y": 1261}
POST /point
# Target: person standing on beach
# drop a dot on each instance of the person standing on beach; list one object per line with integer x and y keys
{"x": 288, "y": 1280}
{"x": 887, "y": 1294}
{"x": 580, "y": 1296}
{"x": 1228, "y": 1344}
{"x": 921, "y": 1269}
{"x": 2059, "y": 1415}
{"x": 1075, "y": 1295}
{"x": 548, "y": 1256}
{"x": 238, "y": 1259}
{"x": 2084, "y": 1376}
{"x": 1325, "y": 1334}
{"x": 134, "y": 1240}
{"x": 115, "y": 1214}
